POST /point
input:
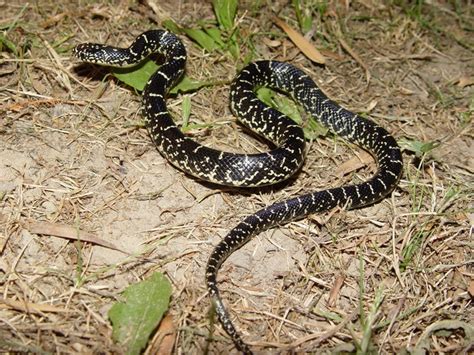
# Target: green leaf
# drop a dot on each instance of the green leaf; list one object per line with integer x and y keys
{"x": 314, "y": 129}
{"x": 225, "y": 12}
{"x": 412, "y": 247}
{"x": 144, "y": 304}
{"x": 186, "y": 111}
{"x": 215, "y": 34}
{"x": 5, "y": 42}
{"x": 303, "y": 15}
{"x": 282, "y": 104}
{"x": 136, "y": 76}
{"x": 418, "y": 147}
{"x": 171, "y": 26}
{"x": 197, "y": 126}
{"x": 287, "y": 106}
{"x": 187, "y": 85}
{"x": 233, "y": 47}
{"x": 201, "y": 38}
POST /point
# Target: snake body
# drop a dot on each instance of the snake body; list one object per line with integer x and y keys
{"x": 247, "y": 170}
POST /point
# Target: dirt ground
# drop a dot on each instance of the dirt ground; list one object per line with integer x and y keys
{"x": 75, "y": 156}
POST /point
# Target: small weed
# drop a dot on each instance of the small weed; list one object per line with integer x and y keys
{"x": 221, "y": 36}
{"x": 305, "y": 11}
{"x": 312, "y": 129}
{"x": 5, "y": 42}
{"x": 303, "y": 15}
{"x": 465, "y": 117}
{"x": 422, "y": 12}
{"x": 367, "y": 320}
{"x": 412, "y": 247}
{"x": 419, "y": 148}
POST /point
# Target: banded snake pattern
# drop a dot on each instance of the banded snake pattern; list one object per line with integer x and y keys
{"x": 249, "y": 170}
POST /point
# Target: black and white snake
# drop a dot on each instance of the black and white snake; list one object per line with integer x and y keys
{"x": 247, "y": 170}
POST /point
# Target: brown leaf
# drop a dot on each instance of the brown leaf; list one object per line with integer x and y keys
{"x": 68, "y": 232}
{"x": 302, "y": 43}
{"x": 53, "y": 20}
{"x": 354, "y": 163}
{"x": 335, "y": 290}
{"x": 3, "y": 242}
{"x": 30, "y": 307}
{"x": 465, "y": 81}
{"x": 470, "y": 289}
{"x": 331, "y": 54}
{"x": 163, "y": 341}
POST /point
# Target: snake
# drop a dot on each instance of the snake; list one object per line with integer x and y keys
{"x": 284, "y": 158}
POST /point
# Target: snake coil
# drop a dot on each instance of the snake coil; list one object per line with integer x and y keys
{"x": 247, "y": 170}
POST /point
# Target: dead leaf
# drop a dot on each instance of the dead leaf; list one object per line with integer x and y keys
{"x": 164, "y": 339}
{"x": 465, "y": 81}
{"x": 302, "y": 43}
{"x": 355, "y": 163}
{"x": 405, "y": 91}
{"x": 25, "y": 104}
{"x": 30, "y": 307}
{"x": 53, "y": 20}
{"x": 68, "y": 232}
{"x": 371, "y": 105}
{"x": 331, "y": 54}
{"x": 3, "y": 242}
{"x": 335, "y": 290}
{"x": 470, "y": 289}
{"x": 271, "y": 43}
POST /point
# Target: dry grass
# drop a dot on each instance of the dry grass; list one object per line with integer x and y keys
{"x": 74, "y": 152}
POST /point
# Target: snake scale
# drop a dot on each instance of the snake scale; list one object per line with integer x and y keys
{"x": 247, "y": 170}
